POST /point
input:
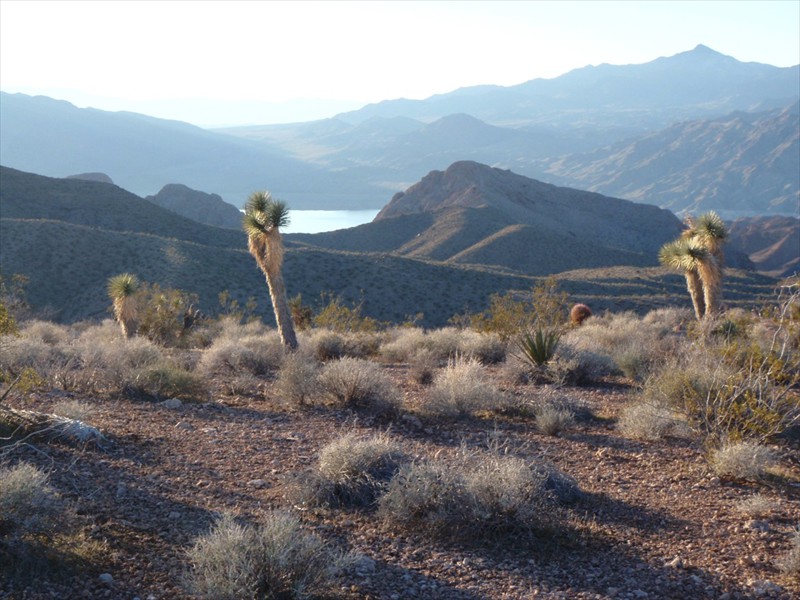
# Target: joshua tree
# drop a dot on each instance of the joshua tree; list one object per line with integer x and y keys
{"x": 262, "y": 222}
{"x": 710, "y": 232}
{"x": 122, "y": 290}
{"x": 701, "y": 269}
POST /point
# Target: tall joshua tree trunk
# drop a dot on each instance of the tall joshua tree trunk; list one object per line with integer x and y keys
{"x": 262, "y": 221}
{"x": 695, "y": 286}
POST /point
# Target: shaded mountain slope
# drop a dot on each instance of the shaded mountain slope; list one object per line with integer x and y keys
{"x": 740, "y": 163}
{"x": 772, "y": 243}
{"x": 209, "y": 209}
{"x": 97, "y": 204}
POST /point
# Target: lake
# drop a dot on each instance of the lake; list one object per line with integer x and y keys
{"x": 317, "y": 221}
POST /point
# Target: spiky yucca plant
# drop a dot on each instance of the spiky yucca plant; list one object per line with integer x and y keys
{"x": 538, "y": 347}
{"x": 262, "y": 221}
{"x": 122, "y": 290}
{"x": 710, "y": 232}
{"x": 698, "y": 254}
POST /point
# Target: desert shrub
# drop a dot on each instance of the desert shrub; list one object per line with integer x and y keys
{"x": 167, "y": 381}
{"x": 254, "y": 354}
{"x": 747, "y": 461}
{"x": 461, "y": 389}
{"x": 552, "y": 419}
{"x": 789, "y": 563}
{"x": 436, "y": 347}
{"x": 338, "y": 317}
{"x": 271, "y": 561}
{"x": 477, "y": 495}
{"x": 403, "y": 344}
{"x": 324, "y": 344}
{"x": 353, "y": 471}
{"x": 729, "y": 392}
{"x": 166, "y": 315}
{"x": 31, "y": 353}
{"x": 29, "y": 506}
{"x": 642, "y": 421}
{"x": 508, "y": 314}
{"x": 575, "y": 366}
{"x": 579, "y": 313}
{"x": 756, "y": 506}
{"x": 634, "y": 345}
{"x": 669, "y": 318}
{"x": 298, "y": 379}
{"x": 359, "y": 383}
{"x": 50, "y": 333}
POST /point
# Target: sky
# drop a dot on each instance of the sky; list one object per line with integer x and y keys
{"x": 234, "y": 63}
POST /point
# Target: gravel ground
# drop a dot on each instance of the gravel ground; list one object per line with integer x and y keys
{"x": 654, "y": 521}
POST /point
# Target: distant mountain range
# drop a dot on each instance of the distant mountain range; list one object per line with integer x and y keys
{"x": 738, "y": 164}
{"x": 441, "y": 248}
{"x": 694, "y": 131}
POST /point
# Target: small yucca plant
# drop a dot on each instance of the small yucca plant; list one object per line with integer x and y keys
{"x": 538, "y": 347}
{"x": 122, "y": 291}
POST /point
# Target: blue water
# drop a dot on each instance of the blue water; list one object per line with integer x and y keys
{"x": 317, "y": 221}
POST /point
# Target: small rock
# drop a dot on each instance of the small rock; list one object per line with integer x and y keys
{"x": 640, "y": 594}
{"x": 696, "y": 579}
{"x": 757, "y": 525}
{"x": 365, "y": 566}
{"x": 184, "y": 426}
{"x": 174, "y": 515}
{"x": 413, "y": 421}
{"x": 172, "y": 403}
{"x": 257, "y": 483}
{"x": 675, "y": 563}
{"x": 612, "y": 591}
{"x": 764, "y": 588}
{"x": 106, "y": 578}
{"x": 122, "y": 489}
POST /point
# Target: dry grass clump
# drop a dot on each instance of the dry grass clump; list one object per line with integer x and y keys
{"x": 168, "y": 381}
{"x": 552, "y": 419}
{"x": 359, "y": 383}
{"x": 73, "y": 409}
{"x": 746, "y": 461}
{"x": 757, "y": 506}
{"x": 298, "y": 379}
{"x": 254, "y": 354}
{"x": 48, "y": 332}
{"x": 643, "y": 421}
{"x": 276, "y": 559}
{"x": 634, "y": 344}
{"x": 32, "y": 514}
{"x": 353, "y": 470}
{"x": 327, "y": 344}
{"x": 476, "y": 496}
{"x": 575, "y": 366}
{"x": 29, "y": 506}
{"x": 789, "y": 563}
{"x": 437, "y": 347}
{"x": 461, "y": 389}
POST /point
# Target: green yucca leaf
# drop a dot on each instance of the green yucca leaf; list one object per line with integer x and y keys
{"x": 709, "y": 229}
{"x": 538, "y": 347}
{"x": 123, "y": 285}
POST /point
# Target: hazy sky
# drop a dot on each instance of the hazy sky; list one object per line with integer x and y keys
{"x": 217, "y": 63}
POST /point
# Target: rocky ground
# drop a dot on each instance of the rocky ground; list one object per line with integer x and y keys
{"x": 654, "y": 522}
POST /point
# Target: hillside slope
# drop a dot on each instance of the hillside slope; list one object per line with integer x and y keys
{"x": 472, "y": 213}
{"x": 69, "y": 236}
{"x": 738, "y": 164}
